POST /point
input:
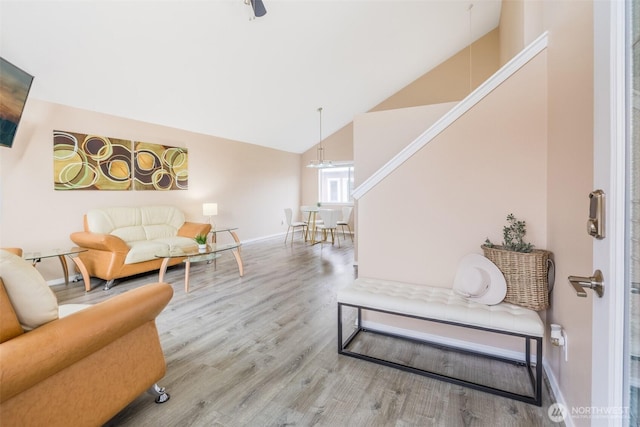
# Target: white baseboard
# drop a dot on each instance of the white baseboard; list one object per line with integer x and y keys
{"x": 449, "y": 342}
{"x": 60, "y": 280}
{"x": 557, "y": 393}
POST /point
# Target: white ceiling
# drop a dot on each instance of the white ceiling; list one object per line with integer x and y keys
{"x": 204, "y": 66}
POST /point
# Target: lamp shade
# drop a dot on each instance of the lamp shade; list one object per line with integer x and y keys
{"x": 209, "y": 209}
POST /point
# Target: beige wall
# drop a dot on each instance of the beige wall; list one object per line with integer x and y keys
{"x": 456, "y": 191}
{"x": 570, "y": 178}
{"x": 443, "y": 202}
{"x": 521, "y": 22}
{"x": 450, "y": 80}
{"x": 251, "y": 184}
{"x": 383, "y": 134}
{"x": 511, "y": 29}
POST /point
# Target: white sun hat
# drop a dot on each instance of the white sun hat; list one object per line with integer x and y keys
{"x": 479, "y": 280}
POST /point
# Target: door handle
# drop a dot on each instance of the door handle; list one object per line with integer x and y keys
{"x": 594, "y": 282}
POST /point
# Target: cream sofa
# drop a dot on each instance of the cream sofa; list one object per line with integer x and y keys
{"x": 123, "y": 241}
{"x": 74, "y": 364}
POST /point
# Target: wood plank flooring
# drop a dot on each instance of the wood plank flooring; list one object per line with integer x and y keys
{"x": 261, "y": 350}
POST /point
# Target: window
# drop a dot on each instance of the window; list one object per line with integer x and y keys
{"x": 335, "y": 185}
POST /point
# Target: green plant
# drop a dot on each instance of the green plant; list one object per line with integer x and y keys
{"x": 513, "y": 234}
{"x": 201, "y": 239}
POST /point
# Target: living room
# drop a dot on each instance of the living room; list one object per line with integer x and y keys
{"x": 252, "y": 184}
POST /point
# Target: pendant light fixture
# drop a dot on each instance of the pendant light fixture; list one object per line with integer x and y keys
{"x": 320, "y": 162}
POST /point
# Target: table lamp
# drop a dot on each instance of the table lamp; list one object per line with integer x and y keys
{"x": 210, "y": 209}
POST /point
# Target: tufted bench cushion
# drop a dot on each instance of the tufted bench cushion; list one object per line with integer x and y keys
{"x": 440, "y": 304}
{"x": 433, "y": 304}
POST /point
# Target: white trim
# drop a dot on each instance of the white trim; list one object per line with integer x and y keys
{"x": 557, "y": 393}
{"x": 507, "y": 70}
{"x": 607, "y": 376}
{"x": 73, "y": 278}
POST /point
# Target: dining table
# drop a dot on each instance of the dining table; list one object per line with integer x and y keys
{"x": 311, "y": 213}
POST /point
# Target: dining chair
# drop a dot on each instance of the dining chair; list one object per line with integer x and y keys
{"x": 329, "y": 224}
{"x": 288, "y": 213}
{"x": 346, "y": 218}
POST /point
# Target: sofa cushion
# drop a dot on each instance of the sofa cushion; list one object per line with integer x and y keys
{"x": 130, "y": 234}
{"x": 106, "y": 220}
{"x": 169, "y": 215}
{"x": 133, "y": 224}
{"x": 9, "y": 324}
{"x": 33, "y": 301}
{"x": 159, "y": 231}
{"x": 179, "y": 243}
{"x": 145, "y": 250}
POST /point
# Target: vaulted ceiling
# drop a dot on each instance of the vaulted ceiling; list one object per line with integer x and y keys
{"x": 206, "y": 67}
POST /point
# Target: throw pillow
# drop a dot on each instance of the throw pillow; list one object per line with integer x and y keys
{"x": 33, "y": 301}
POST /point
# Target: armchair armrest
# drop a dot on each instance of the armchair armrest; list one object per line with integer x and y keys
{"x": 39, "y": 354}
{"x": 192, "y": 229}
{"x": 101, "y": 242}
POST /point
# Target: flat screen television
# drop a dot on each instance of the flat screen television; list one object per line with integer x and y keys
{"x": 14, "y": 89}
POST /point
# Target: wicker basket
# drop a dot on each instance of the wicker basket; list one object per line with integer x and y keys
{"x": 525, "y": 274}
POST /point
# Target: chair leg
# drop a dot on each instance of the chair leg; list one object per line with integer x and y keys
{"x": 159, "y": 393}
{"x": 287, "y": 235}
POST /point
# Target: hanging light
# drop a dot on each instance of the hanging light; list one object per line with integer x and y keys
{"x": 320, "y": 162}
{"x": 470, "y": 51}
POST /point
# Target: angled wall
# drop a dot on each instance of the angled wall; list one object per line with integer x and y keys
{"x": 456, "y": 191}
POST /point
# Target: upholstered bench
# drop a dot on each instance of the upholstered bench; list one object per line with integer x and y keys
{"x": 443, "y": 305}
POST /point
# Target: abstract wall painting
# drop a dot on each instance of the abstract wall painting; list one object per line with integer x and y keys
{"x": 90, "y": 162}
{"x": 159, "y": 167}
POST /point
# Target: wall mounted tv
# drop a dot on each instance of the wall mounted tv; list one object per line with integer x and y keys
{"x": 14, "y": 88}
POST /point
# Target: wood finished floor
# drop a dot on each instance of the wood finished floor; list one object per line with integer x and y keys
{"x": 262, "y": 351}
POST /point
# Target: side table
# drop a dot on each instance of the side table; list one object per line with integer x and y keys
{"x": 62, "y": 254}
{"x": 232, "y": 231}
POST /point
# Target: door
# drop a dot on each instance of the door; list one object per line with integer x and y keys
{"x": 614, "y": 353}
{"x": 632, "y": 290}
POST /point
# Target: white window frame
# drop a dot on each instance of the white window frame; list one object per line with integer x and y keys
{"x": 343, "y": 199}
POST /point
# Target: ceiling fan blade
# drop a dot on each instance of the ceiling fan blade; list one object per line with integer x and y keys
{"x": 258, "y": 8}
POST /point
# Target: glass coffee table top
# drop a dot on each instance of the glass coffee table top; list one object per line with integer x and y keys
{"x": 194, "y": 254}
{"x": 50, "y": 253}
{"x": 212, "y": 249}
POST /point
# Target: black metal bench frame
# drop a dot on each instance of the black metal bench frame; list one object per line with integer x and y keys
{"x": 536, "y": 379}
